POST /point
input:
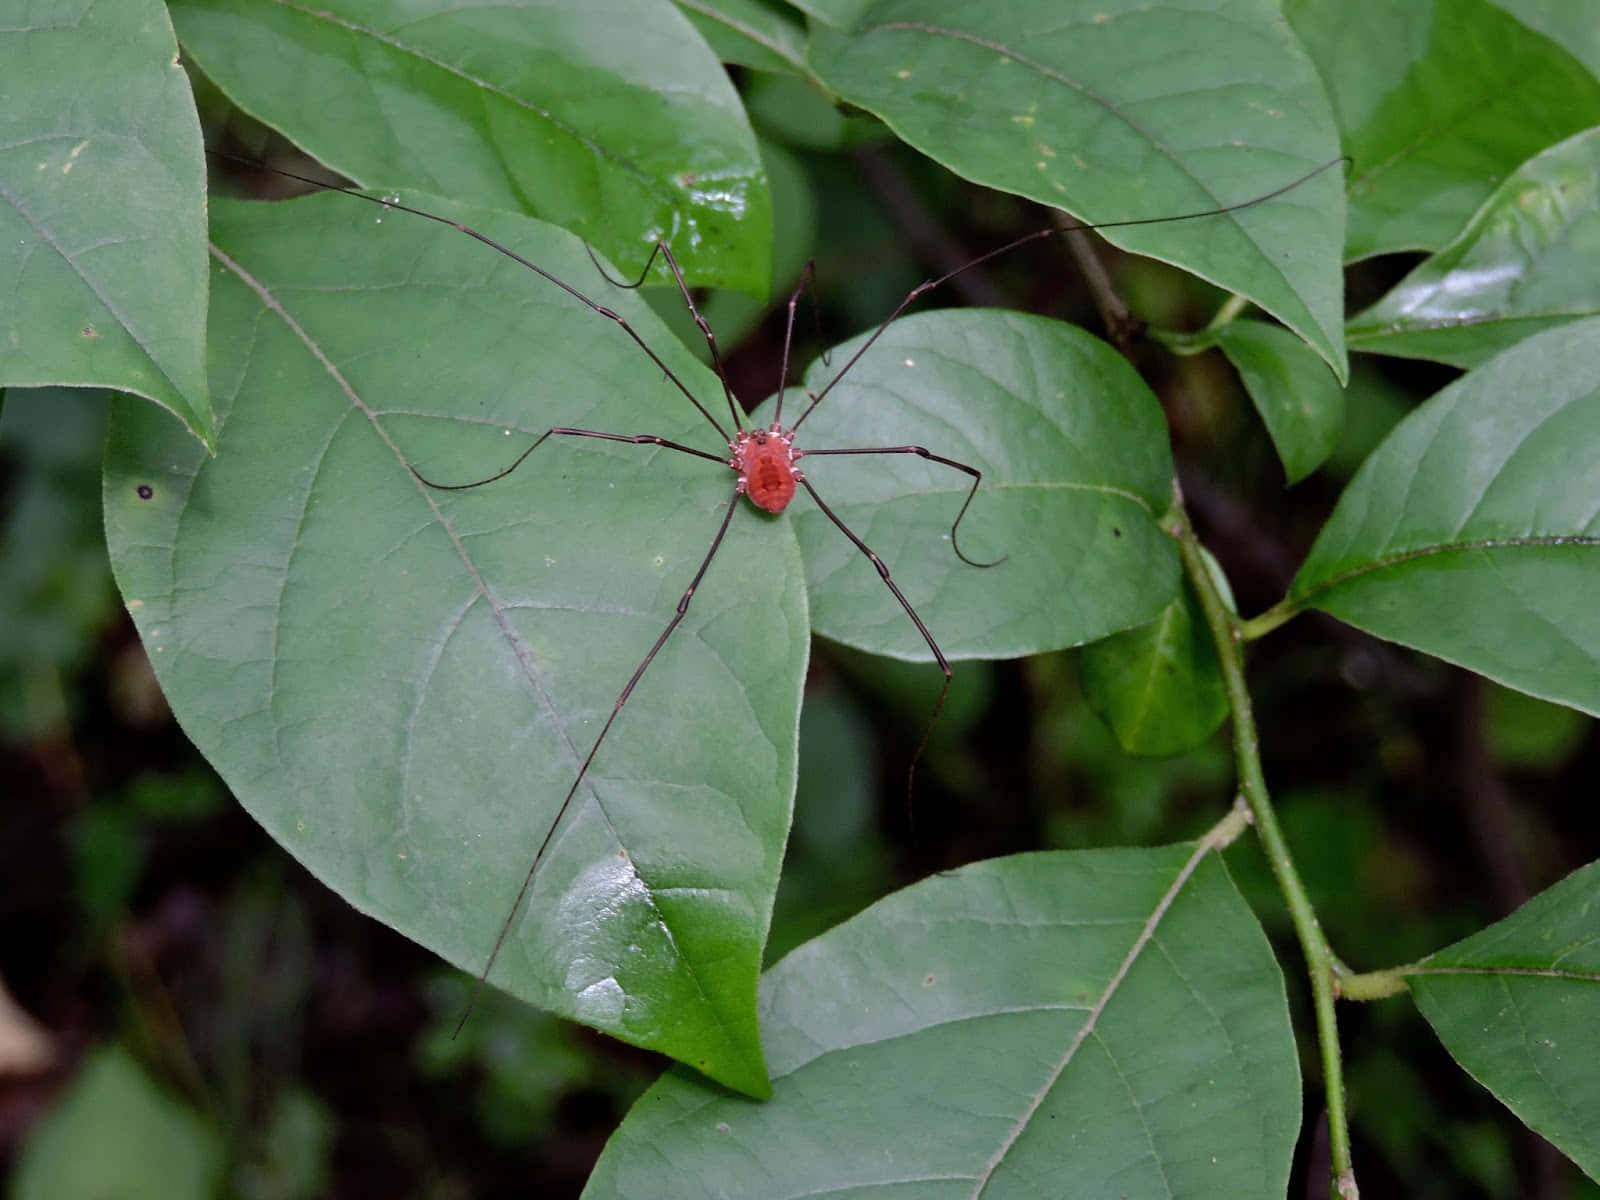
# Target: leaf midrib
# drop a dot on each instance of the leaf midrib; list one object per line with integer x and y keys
{"x": 1303, "y": 598}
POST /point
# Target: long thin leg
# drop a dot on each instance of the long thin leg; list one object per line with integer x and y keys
{"x": 928, "y": 285}
{"x": 627, "y": 690}
{"x": 938, "y": 654}
{"x": 665, "y": 251}
{"x": 924, "y": 452}
{"x": 808, "y": 279}
{"x": 594, "y": 305}
{"x": 639, "y": 439}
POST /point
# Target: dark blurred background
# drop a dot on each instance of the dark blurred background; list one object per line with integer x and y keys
{"x": 170, "y": 974}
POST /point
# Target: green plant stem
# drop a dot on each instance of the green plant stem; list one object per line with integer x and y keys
{"x": 1264, "y": 623}
{"x": 1375, "y": 985}
{"x": 1186, "y": 344}
{"x": 1231, "y": 308}
{"x": 1320, "y": 962}
{"x": 1201, "y": 340}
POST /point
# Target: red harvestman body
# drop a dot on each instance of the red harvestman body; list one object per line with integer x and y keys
{"x": 765, "y": 462}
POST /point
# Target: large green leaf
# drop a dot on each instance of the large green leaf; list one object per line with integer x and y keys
{"x": 1121, "y": 111}
{"x": 1076, "y": 472}
{"x": 102, "y": 206}
{"x": 1528, "y": 260}
{"x": 1437, "y": 100}
{"x": 400, "y": 683}
{"x": 1473, "y": 532}
{"x": 610, "y": 118}
{"x": 1082, "y": 1024}
{"x": 1518, "y": 1004}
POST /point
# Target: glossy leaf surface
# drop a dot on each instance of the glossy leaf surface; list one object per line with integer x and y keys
{"x": 1094, "y": 1017}
{"x": 531, "y": 107}
{"x": 417, "y": 674}
{"x": 1473, "y": 531}
{"x": 400, "y": 683}
{"x": 1528, "y": 260}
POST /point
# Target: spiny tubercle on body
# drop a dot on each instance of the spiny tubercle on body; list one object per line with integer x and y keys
{"x": 765, "y": 460}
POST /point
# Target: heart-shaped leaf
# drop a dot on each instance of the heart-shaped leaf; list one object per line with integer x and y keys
{"x": 401, "y": 683}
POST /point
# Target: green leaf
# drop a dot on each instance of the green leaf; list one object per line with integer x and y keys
{"x": 1517, "y": 1005}
{"x": 1568, "y": 25}
{"x": 1298, "y": 398}
{"x": 102, "y": 207}
{"x": 748, "y": 33}
{"x": 1076, "y": 470}
{"x": 400, "y": 683}
{"x": 1528, "y": 260}
{"x": 1099, "y": 1017}
{"x": 1159, "y": 686}
{"x": 114, "y": 1133}
{"x": 733, "y": 315}
{"x": 1437, "y": 100}
{"x": 1120, "y": 112}
{"x": 1472, "y": 532}
{"x": 610, "y": 118}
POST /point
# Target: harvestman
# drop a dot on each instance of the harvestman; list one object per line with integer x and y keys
{"x": 764, "y": 460}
